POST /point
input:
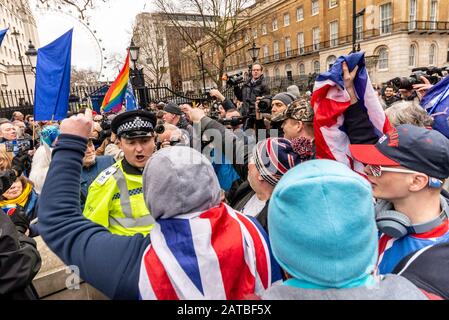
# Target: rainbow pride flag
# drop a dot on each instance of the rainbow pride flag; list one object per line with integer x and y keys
{"x": 114, "y": 98}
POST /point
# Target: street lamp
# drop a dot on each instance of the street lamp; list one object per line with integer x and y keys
{"x": 136, "y": 74}
{"x": 16, "y": 34}
{"x": 355, "y": 15}
{"x": 31, "y": 53}
{"x": 134, "y": 53}
{"x": 254, "y": 54}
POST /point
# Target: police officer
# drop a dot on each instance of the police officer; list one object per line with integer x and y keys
{"x": 115, "y": 198}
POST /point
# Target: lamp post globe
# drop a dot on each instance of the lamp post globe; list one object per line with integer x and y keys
{"x": 31, "y": 53}
{"x": 134, "y": 52}
{"x": 254, "y": 52}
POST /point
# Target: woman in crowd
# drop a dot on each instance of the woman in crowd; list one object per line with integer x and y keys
{"x": 22, "y": 194}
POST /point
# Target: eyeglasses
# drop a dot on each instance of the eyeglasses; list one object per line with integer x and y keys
{"x": 377, "y": 170}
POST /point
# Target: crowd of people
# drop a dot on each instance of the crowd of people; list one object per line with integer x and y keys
{"x": 228, "y": 200}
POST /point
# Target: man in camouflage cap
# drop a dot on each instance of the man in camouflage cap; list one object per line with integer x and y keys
{"x": 297, "y": 120}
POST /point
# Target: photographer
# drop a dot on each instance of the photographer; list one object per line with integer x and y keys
{"x": 19, "y": 259}
{"x": 231, "y": 117}
{"x": 169, "y": 135}
{"x": 253, "y": 88}
{"x": 279, "y": 103}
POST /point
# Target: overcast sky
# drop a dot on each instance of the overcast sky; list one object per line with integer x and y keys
{"x": 112, "y": 22}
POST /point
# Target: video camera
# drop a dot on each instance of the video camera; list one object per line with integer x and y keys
{"x": 265, "y": 104}
{"x": 172, "y": 143}
{"x": 17, "y": 146}
{"x": 234, "y": 80}
{"x": 434, "y": 75}
{"x": 233, "y": 122}
{"x": 214, "y": 112}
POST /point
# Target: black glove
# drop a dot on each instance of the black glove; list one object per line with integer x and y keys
{"x": 21, "y": 162}
{"x": 19, "y": 219}
{"x": 7, "y": 178}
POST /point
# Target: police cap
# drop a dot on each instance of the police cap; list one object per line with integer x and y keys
{"x": 134, "y": 124}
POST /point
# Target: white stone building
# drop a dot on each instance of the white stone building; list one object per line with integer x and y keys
{"x": 16, "y": 15}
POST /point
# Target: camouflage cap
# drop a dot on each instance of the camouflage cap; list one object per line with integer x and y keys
{"x": 300, "y": 110}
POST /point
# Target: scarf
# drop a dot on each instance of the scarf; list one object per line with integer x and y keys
{"x": 20, "y": 200}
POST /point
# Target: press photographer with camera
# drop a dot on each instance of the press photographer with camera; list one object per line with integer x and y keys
{"x": 168, "y": 135}
{"x": 270, "y": 107}
{"x": 251, "y": 89}
{"x": 414, "y": 87}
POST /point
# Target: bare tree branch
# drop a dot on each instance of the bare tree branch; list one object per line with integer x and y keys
{"x": 150, "y": 37}
{"x": 80, "y": 5}
{"x": 220, "y": 21}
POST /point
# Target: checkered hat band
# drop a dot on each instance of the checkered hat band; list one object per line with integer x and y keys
{"x": 135, "y": 125}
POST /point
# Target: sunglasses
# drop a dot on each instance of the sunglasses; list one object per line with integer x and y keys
{"x": 377, "y": 170}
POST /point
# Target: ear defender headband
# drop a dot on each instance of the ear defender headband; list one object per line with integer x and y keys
{"x": 398, "y": 225}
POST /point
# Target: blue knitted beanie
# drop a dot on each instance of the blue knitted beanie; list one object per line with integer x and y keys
{"x": 49, "y": 134}
{"x": 322, "y": 224}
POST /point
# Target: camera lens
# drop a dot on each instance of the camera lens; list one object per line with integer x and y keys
{"x": 160, "y": 129}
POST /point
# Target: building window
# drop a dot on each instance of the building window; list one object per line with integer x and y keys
{"x": 412, "y": 56}
{"x": 383, "y": 59}
{"x": 359, "y": 27}
{"x": 289, "y": 72}
{"x": 433, "y": 55}
{"x": 300, "y": 14}
{"x": 433, "y": 14}
{"x": 266, "y": 53}
{"x": 315, "y": 7}
{"x": 334, "y": 33}
{"x": 288, "y": 47}
{"x": 386, "y": 19}
{"x": 316, "y": 67}
{"x": 276, "y": 50}
{"x": 330, "y": 61}
{"x": 286, "y": 20}
{"x": 316, "y": 38}
{"x": 302, "y": 69}
{"x": 301, "y": 43}
{"x": 333, "y": 3}
{"x": 412, "y": 15}
{"x": 255, "y": 33}
{"x": 277, "y": 73}
{"x": 275, "y": 24}
{"x": 264, "y": 29}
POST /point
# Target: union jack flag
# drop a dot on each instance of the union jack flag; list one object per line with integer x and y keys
{"x": 330, "y": 100}
{"x": 218, "y": 254}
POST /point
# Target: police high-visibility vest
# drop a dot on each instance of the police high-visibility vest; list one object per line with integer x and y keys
{"x": 115, "y": 201}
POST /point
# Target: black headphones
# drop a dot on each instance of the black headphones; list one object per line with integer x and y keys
{"x": 398, "y": 225}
